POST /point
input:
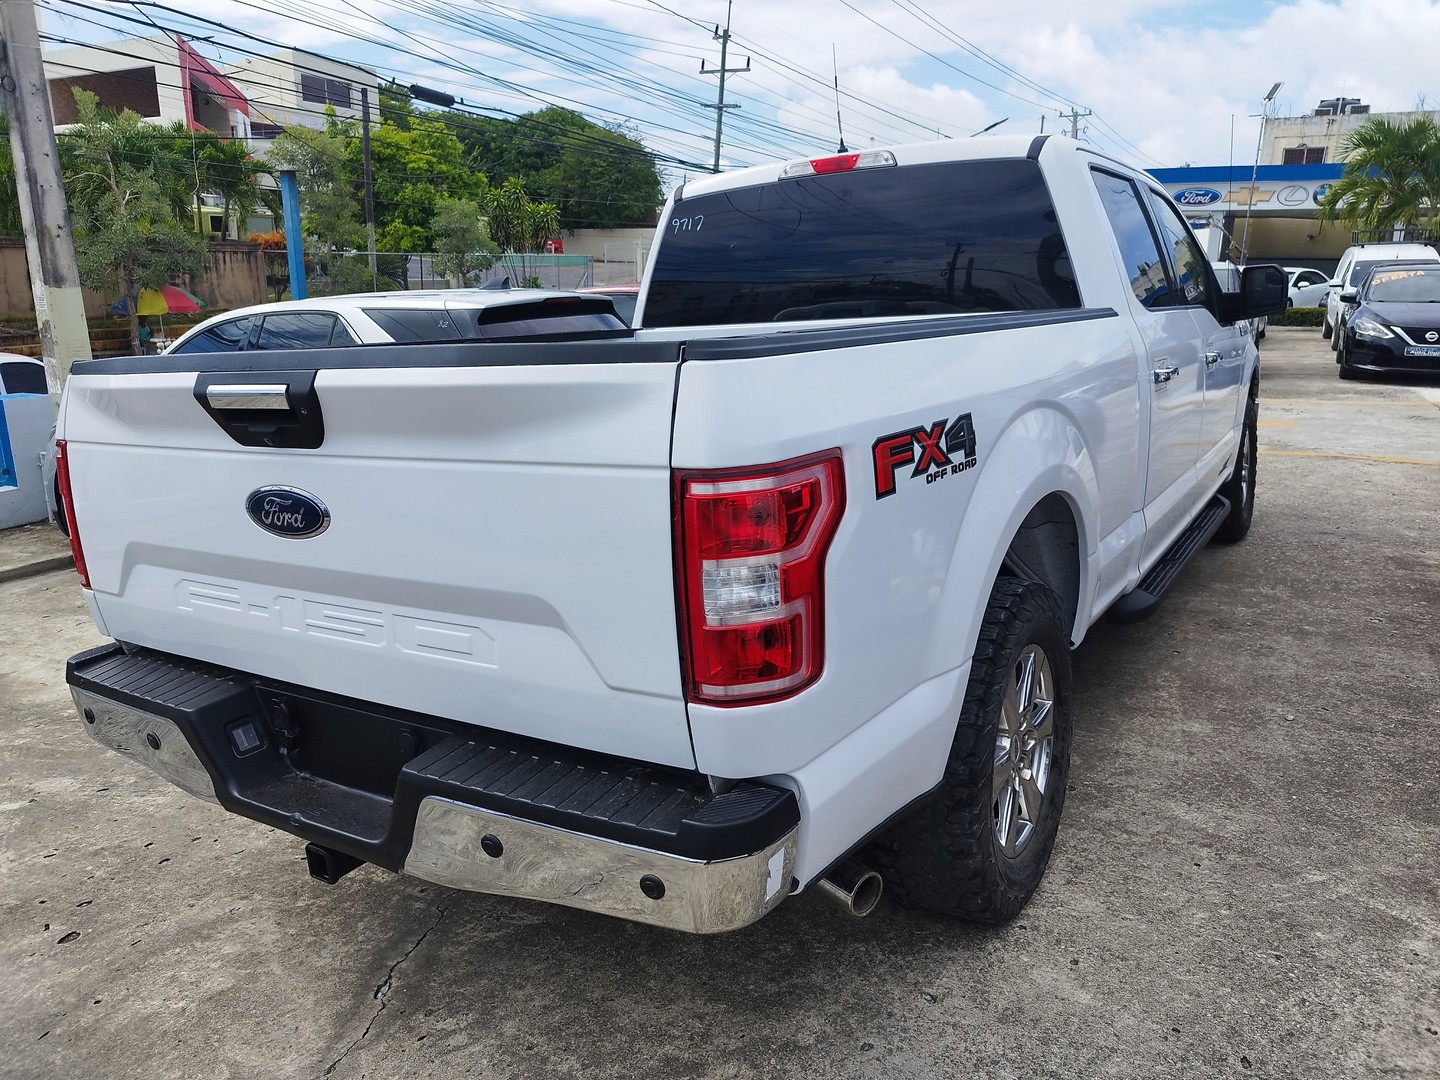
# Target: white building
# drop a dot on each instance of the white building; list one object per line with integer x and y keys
{"x": 162, "y": 79}
{"x": 1316, "y": 138}
{"x": 293, "y": 87}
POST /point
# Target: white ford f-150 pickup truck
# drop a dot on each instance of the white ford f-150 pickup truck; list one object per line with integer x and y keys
{"x": 776, "y": 590}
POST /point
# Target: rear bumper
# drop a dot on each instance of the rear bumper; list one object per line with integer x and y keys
{"x": 454, "y": 804}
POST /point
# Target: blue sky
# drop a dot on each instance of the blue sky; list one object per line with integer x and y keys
{"x": 1166, "y": 83}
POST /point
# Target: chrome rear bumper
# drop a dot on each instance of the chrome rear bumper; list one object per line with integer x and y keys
{"x": 538, "y": 862}
{"x": 573, "y": 829}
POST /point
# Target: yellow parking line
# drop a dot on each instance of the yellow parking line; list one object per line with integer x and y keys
{"x": 1276, "y": 423}
{"x": 1409, "y": 402}
{"x": 1348, "y": 457}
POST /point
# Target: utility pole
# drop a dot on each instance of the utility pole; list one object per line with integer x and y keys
{"x": 44, "y": 214}
{"x": 369, "y": 181}
{"x": 1075, "y": 117}
{"x": 724, "y": 38}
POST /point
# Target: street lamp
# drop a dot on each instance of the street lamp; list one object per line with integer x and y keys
{"x": 1255, "y": 169}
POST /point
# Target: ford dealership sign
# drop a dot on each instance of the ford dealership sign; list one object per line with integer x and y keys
{"x": 1198, "y": 196}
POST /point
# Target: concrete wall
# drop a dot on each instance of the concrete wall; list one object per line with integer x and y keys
{"x": 614, "y": 251}
{"x": 25, "y": 423}
{"x": 234, "y": 278}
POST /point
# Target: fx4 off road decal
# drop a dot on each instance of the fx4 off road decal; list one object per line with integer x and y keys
{"x": 945, "y": 448}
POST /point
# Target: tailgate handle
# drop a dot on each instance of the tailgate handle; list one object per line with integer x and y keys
{"x": 278, "y": 409}
{"x": 242, "y": 396}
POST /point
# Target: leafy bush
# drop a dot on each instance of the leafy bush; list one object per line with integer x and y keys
{"x": 1299, "y": 316}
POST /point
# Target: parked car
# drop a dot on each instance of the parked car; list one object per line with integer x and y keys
{"x": 1307, "y": 287}
{"x": 626, "y": 297}
{"x": 1395, "y": 324}
{"x": 1358, "y": 261}
{"x": 1228, "y": 275}
{"x": 22, "y": 374}
{"x": 385, "y": 317}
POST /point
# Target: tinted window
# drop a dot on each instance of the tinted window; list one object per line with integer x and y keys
{"x": 1310, "y": 277}
{"x": 1138, "y": 249}
{"x": 1187, "y": 261}
{"x": 18, "y": 378}
{"x": 410, "y": 324}
{"x": 225, "y": 337}
{"x": 918, "y": 240}
{"x": 296, "y": 330}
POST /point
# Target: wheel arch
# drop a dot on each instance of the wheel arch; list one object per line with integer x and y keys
{"x": 1033, "y": 512}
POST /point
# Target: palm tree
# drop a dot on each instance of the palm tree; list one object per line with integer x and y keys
{"x": 230, "y": 172}
{"x": 1391, "y": 177}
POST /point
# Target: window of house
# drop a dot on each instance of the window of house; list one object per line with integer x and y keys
{"x": 325, "y": 91}
{"x": 1303, "y": 155}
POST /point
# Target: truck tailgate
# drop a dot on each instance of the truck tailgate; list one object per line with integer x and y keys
{"x": 499, "y": 541}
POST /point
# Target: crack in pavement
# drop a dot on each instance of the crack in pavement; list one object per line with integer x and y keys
{"x": 381, "y": 992}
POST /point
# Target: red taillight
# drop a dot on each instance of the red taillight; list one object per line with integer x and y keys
{"x": 752, "y": 546}
{"x": 67, "y": 507}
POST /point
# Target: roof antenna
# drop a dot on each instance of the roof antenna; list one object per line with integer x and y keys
{"x": 843, "y": 149}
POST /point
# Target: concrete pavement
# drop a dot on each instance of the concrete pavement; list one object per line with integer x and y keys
{"x": 1244, "y": 883}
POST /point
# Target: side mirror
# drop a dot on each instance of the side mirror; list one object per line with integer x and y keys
{"x": 1264, "y": 289}
{"x": 1334, "y": 284}
{"x": 1349, "y": 297}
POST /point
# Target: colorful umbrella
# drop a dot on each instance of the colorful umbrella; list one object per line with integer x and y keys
{"x": 166, "y": 300}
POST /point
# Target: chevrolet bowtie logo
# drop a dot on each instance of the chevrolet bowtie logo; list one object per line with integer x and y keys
{"x": 1250, "y": 196}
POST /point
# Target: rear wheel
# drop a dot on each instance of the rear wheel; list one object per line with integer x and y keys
{"x": 979, "y": 848}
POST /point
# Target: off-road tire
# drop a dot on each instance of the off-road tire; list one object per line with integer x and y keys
{"x": 947, "y": 856}
{"x": 1240, "y": 487}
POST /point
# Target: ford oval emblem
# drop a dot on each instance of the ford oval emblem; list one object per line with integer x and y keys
{"x": 1197, "y": 196}
{"x": 287, "y": 512}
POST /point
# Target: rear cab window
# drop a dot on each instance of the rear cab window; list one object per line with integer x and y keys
{"x": 950, "y": 238}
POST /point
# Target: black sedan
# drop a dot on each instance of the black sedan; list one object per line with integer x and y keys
{"x": 1396, "y": 326}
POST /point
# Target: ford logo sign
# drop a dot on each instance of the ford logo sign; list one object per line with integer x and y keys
{"x": 1197, "y": 196}
{"x": 287, "y": 512}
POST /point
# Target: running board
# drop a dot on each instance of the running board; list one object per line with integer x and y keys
{"x": 1141, "y": 602}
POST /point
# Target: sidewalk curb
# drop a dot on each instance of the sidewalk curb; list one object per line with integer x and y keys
{"x": 33, "y": 569}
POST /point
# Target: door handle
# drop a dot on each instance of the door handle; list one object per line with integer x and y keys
{"x": 1164, "y": 374}
{"x": 1211, "y": 359}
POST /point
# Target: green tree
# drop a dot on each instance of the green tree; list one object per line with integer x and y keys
{"x": 118, "y": 170}
{"x": 417, "y": 161}
{"x": 462, "y": 241}
{"x": 329, "y": 205}
{"x": 10, "y": 224}
{"x": 1391, "y": 176}
{"x": 598, "y": 177}
{"x": 519, "y": 225}
{"x": 231, "y": 173}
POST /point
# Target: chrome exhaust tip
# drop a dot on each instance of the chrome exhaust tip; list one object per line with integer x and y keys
{"x": 854, "y": 887}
